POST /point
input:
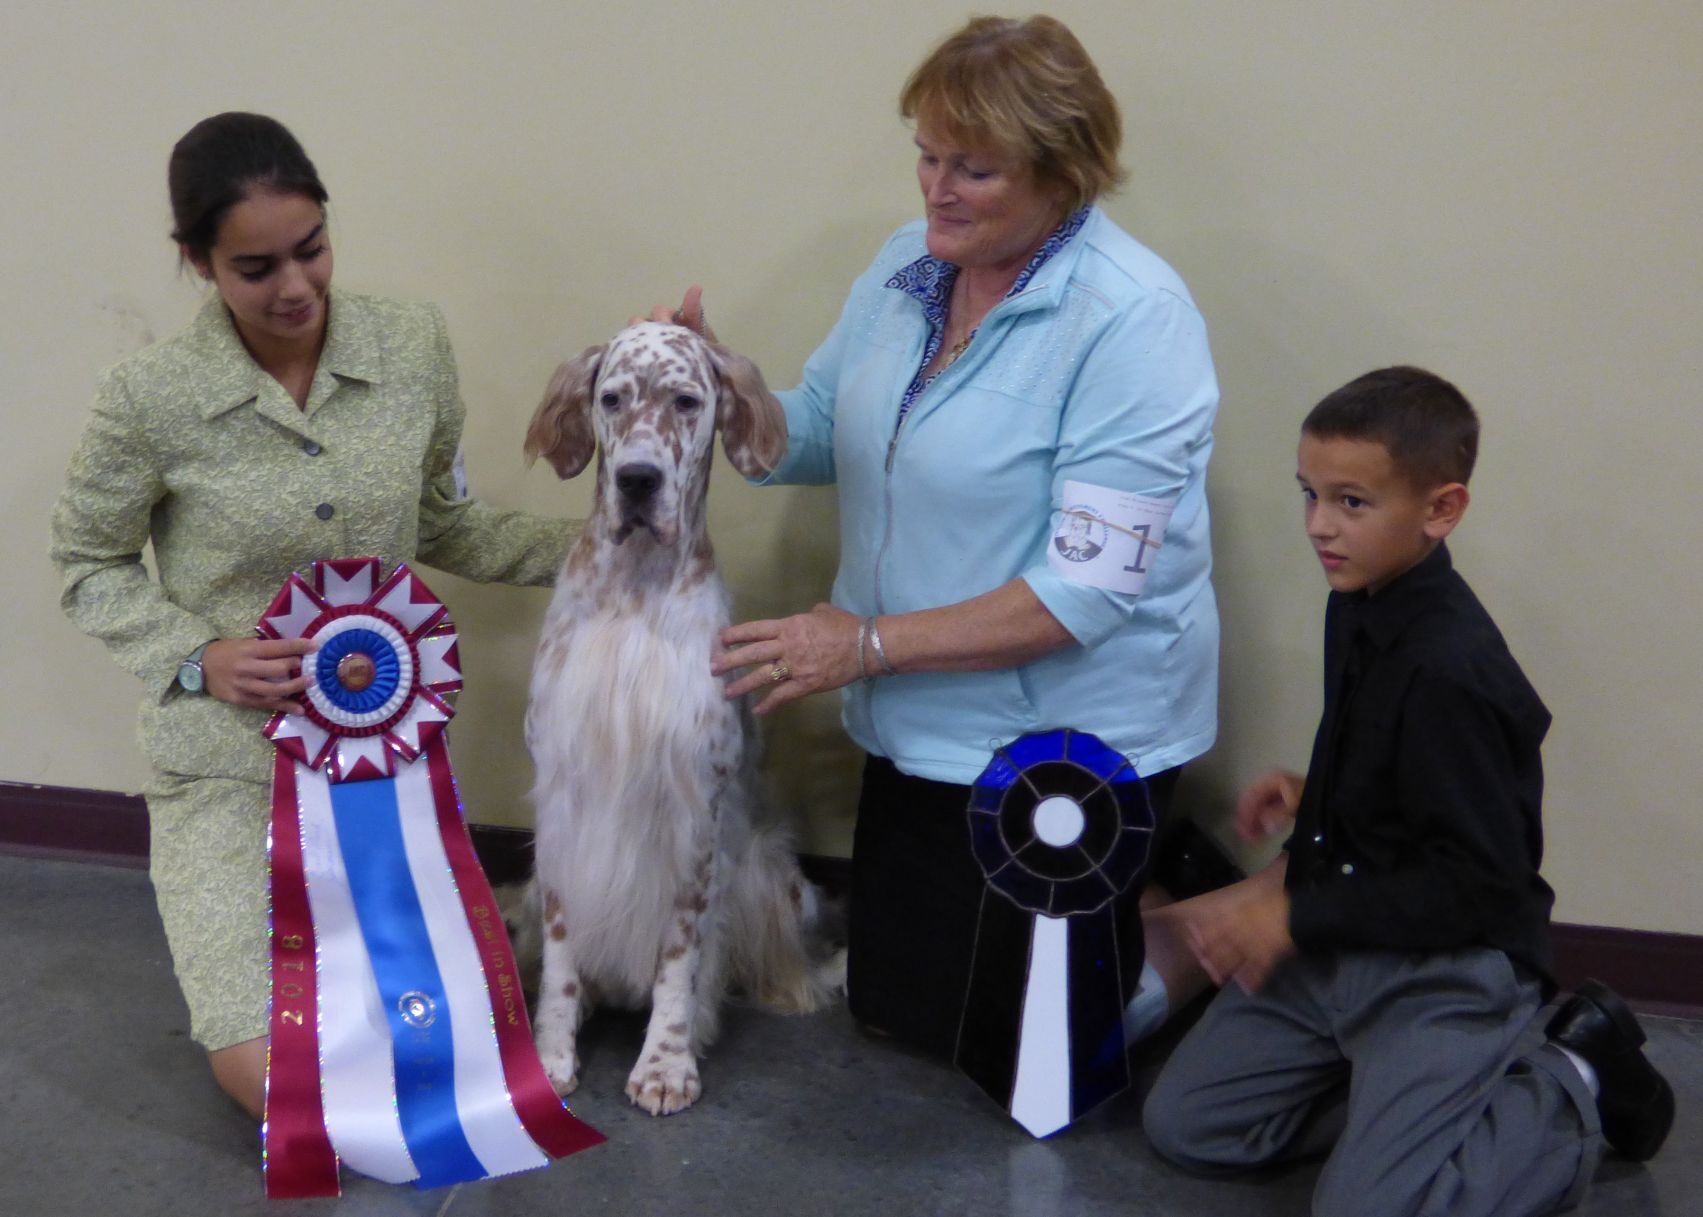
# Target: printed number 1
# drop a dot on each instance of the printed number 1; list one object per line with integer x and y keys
{"x": 1136, "y": 567}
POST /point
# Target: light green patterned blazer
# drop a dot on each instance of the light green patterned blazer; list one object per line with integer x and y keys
{"x": 195, "y": 448}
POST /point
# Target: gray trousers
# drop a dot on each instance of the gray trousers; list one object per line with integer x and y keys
{"x": 1425, "y": 1077}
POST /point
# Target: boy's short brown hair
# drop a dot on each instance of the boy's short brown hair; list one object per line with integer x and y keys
{"x": 1426, "y": 424}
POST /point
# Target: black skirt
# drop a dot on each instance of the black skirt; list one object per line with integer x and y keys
{"x": 916, "y": 898}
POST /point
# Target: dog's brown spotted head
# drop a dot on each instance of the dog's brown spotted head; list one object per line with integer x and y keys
{"x": 650, "y": 400}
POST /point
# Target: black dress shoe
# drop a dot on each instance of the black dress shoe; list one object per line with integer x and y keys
{"x": 1636, "y": 1102}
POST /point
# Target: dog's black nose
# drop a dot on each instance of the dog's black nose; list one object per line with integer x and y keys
{"x": 638, "y": 481}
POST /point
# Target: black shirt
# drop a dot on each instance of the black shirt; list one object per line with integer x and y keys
{"x": 1419, "y": 828}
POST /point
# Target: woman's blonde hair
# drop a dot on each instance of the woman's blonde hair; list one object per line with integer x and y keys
{"x": 1024, "y": 89}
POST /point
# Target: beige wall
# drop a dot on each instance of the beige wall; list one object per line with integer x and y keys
{"x": 1506, "y": 192}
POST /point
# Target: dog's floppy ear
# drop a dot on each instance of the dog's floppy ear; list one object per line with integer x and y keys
{"x": 561, "y": 428}
{"x": 753, "y": 426}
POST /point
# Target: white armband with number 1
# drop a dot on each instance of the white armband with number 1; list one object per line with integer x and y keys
{"x": 1107, "y": 538}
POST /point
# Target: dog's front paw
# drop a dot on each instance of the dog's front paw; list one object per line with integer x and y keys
{"x": 562, "y": 1068}
{"x": 664, "y": 1083}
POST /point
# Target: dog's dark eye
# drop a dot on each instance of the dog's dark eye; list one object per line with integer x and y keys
{"x": 686, "y": 403}
{"x": 610, "y": 400}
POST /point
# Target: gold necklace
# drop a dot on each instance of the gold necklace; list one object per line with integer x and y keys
{"x": 963, "y": 344}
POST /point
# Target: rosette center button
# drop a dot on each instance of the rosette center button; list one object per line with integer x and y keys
{"x": 1059, "y": 821}
{"x": 356, "y": 671}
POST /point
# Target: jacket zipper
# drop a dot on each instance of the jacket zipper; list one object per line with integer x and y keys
{"x": 893, "y": 448}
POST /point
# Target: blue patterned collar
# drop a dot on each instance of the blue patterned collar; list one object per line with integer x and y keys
{"x": 929, "y": 281}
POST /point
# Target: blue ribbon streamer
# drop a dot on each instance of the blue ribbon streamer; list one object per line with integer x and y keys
{"x": 369, "y": 828}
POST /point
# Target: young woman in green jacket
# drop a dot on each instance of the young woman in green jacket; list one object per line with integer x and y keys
{"x": 289, "y": 421}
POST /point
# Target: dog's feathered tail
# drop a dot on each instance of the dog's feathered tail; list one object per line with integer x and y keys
{"x": 778, "y": 955}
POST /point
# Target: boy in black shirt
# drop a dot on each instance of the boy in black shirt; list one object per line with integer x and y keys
{"x": 1391, "y": 963}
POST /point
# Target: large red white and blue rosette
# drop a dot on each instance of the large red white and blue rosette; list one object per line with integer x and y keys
{"x": 1061, "y": 826}
{"x": 399, "y": 1040}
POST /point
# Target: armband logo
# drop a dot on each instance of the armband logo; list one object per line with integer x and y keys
{"x": 1082, "y": 534}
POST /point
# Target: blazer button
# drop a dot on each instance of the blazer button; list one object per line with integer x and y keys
{"x": 311, "y": 448}
{"x": 1348, "y": 868}
{"x": 325, "y": 511}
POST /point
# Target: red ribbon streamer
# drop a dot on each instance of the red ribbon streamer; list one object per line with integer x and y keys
{"x": 299, "y": 1159}
{"x": 543, "y": 1115}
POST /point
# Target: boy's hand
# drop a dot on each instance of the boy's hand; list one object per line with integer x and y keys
{"x": 1241, "y": 932}
{"x": 1268, "y": 804}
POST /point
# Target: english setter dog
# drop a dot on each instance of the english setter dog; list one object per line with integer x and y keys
{"x": 660, "y": 873}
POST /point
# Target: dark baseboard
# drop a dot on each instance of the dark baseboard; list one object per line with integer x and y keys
{"x": 100, "y": 826}
{"x": 111, "y": 829}
{"x": 1659, "y": 973}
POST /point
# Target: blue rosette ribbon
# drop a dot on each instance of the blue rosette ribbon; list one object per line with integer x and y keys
{"x": 1062, "y": 828}
{"x": 398, "y": 1039}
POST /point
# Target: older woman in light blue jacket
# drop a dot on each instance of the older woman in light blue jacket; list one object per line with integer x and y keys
{"x": 1017, "y": 407}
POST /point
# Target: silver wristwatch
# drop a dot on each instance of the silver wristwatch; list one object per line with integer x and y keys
{"x": 190, "y": 677}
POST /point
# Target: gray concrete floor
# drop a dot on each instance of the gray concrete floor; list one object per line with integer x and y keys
{"x": 106, "y": 1107}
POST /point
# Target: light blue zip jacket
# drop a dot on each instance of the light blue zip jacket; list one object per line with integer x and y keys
{"x": 1098, "y": 371}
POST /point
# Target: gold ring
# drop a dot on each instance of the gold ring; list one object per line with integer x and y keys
{"x": 779, "y": 673}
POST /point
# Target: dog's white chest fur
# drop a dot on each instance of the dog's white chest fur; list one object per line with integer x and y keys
{"x": 630, "y": 736}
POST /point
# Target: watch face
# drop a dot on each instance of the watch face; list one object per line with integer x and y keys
{"x": 189, "y": 676}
